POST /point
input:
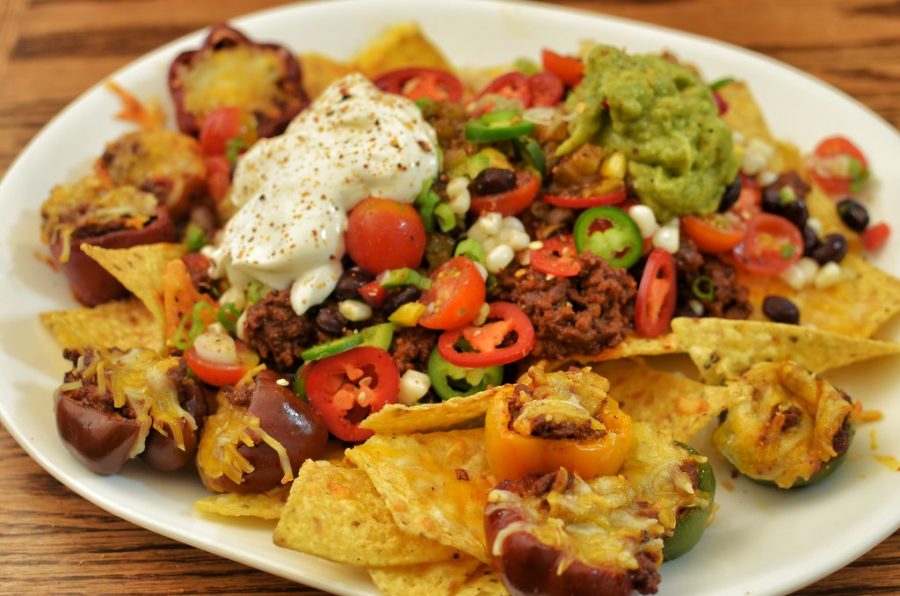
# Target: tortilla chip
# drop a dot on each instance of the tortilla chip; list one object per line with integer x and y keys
{"x": 723, "y": 349}
{"x": 670, "y": 402}
{"x": 319, "y": 71}
{"x": 634, "y": 345}
{"x": 745, "y": 116}
{"x": 856, "y": 306}
{"x": 459, "y": 412}
{"x": 824, "y": 209}
{"x": 484, "y": 582}
{"x": 140, "y": 269}
{"x": 336, "y": 513}
{"x": 434, "y": 484}
{"x": 126, "y": 324}
{"x": 445, "y": 577}
{"x": 403, "y": 45}
{"x": 264, "y": 506}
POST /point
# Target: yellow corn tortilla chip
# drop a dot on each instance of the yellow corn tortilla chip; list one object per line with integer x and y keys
{"x": 670, "y": 402}
{"x": 319, "y": 71}
{"x": 125, "y": 325}
{"x": 435, "y": 485}
{"x": 745, "y": 116}
{"x": 484, "y": 582}
{"x": 263, "y": 506}
{"x": 436, "y": 579}
{"x": 824, "y": 209}
{"x": 140, "y": 269}
{"x": 723, "y": 349}
{"x": 335, "y": 512}
{"x": 634, "y": 345}
{"x": 455, "y": 413}
{"x": 401, "y": 46}
{"x": 857, "y": 305}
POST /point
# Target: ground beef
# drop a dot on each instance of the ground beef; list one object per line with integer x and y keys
{"x": 88, "y": 393}
{"x": 646, "y": 577}
{"x": 841, "y": 441}
{"x": 448, "y": 119}
{"x": 730, "y": 298}
{"x": 240, "y": 395}
{"x": 575, "y": 431}
{"x": 280, "y": 335}
{"x": 583, "y": 314}
{"x": 412, "y": 348}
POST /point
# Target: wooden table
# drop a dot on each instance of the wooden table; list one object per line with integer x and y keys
{"x": 51, "y": 540}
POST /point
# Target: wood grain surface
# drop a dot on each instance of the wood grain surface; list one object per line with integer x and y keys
{"x": 51, "y": 540}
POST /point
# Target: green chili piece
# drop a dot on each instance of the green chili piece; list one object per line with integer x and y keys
{"x": 531, "y": 152}
{"x": 377, "y": 336}
{"x": 445, "y": 217}
{"x": 233, "y": 149}
{"x": 471, "y": 248}
{"x": 501, "y": 125}
{"x": 611, "y": 234}
{"x": 179, "y": 340}
{"x": 300, "y": 381}
{"x": 228, "y": 315}
{"x": 395, "y": 278}
{"x": 719, "y": 83}
{"x": 195, "y": 238}
{"x": 704, "y": 288}
{"x": 449, "y": 381}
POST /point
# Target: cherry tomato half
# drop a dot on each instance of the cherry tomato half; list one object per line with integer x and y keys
{"x": 558, "y": 256}
{"x": 511, "y": 319}
{"x": 612, "y": 197}
{"x": 749, "y": 202}
{"x": 546, "y": 89}
{"x": 770, "y": 245}
{"x": 714, "y": 233}
{"x": 384, "y": 234}
{"x": 569, "y": 70}
{"x": 510, "y": 202}
{"x": 456, "y": 294}
{"x": 838, "y": 166}
{"x": 218, "y": 176}
{"x": 224, "y": 125}
{"x": 218, "y": 374}
{"x": 875, "y": 236}
{"x": 513, "y": 85}
{"x": 655, "y": 302}
{"x": 345, "y": 388}
{"x": 419, "y": 83}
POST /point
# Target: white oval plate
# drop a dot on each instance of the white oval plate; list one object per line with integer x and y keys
{"x": 763, "y": 541}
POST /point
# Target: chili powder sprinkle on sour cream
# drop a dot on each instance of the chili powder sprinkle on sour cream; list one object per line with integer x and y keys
{"x": 294, "y": 191}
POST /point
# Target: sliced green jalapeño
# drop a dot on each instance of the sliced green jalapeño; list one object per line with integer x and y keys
{"x": 611, "y": 234}
{"x": 449, "y": 380}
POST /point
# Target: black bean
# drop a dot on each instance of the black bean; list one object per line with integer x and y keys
{"x": 730, "y": 196}
{"x": 792, "y": 209}
{"x": 781, "y": 310}
{"x": 832, "y": 248}
{"x": 854, "y": 214}
{"x": 810, "y": 240}
{"x": 400, "y": 297}
{"x": 350, "y": 282}
{"x": 330, "y": 321}
{"x": 492, "y": 181}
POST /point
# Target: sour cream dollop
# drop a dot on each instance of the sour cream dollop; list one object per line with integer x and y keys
{"x": 294, "y": 190}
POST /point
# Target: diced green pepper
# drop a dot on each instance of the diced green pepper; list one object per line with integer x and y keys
{"x": 502, "y": 125}
{"x": 449, "y": 381}
{"x": 377, "y": 336}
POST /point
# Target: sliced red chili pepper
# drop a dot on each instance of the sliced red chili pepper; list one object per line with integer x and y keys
{"x": 612, "y": 197}
{"x": 418, "y": 83}
{"x": 513, "y": 85}
{"x": 569, "y": 70}
{"x": 546, "y": 89}
{"x": 770, "y": 245}
{"x": 655, "y": 302}
{"x": 518, "y": 324}
{"x": 557, "y": 257}
{"x": 346, "y": 388}
{"x": 512, "y": 201}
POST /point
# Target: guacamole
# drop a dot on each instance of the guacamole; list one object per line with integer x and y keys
{"x": 665, "y": 120}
